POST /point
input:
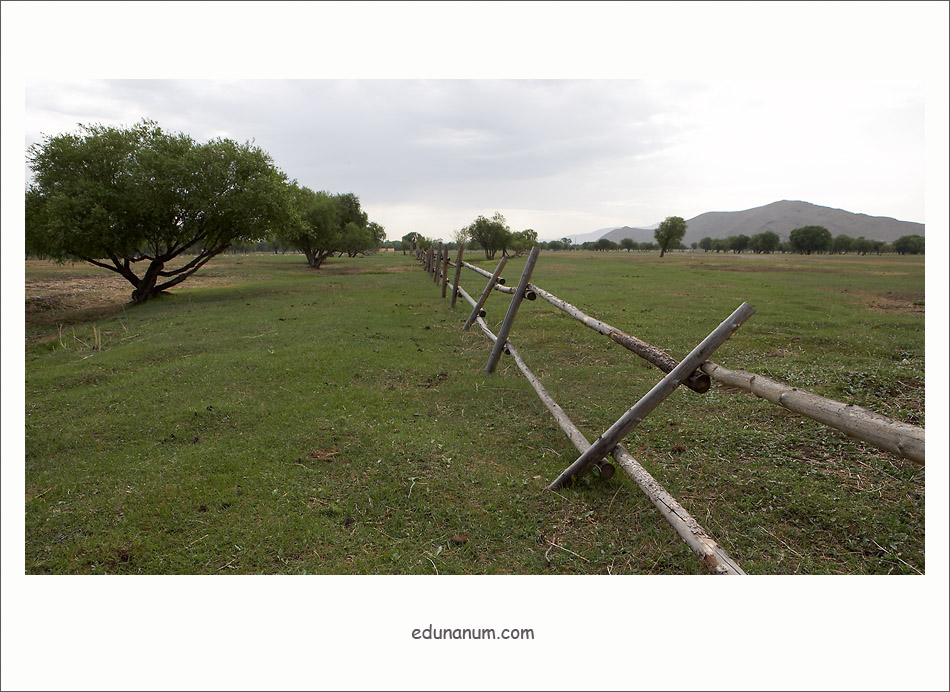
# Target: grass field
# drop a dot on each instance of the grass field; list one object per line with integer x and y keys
{"x": 268, "y": 418}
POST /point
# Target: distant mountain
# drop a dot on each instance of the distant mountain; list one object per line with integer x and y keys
{"x": 639, "y": 235}
{"x": 785, "y": 216}
{"x": 584, "y": 237}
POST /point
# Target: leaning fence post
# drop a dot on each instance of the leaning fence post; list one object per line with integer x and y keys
{"x": 458, "y": 271}
{"x": 640, "y": 410}
{"x": 493, "y": 279}
{"x": 512, "y": 311}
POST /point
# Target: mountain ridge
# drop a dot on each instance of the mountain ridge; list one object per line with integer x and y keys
{"x": 780, "y": 217}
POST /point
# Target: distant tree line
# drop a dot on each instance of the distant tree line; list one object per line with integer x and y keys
{"x": 809, "y": 240}
{"x": 493, "y": 236}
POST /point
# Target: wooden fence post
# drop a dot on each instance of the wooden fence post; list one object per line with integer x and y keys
{"x": 492, "y": 280}
{"x": 712, "y": 556}
{"x": 512, "y": 311}
{"x": 458, "y": 271}
{"x": 635, "y": 415}
{"x": 445, "y": 272}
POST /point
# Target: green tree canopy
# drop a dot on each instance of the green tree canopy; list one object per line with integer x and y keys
{"x": 841, "y": 244}
{"x": 909, "y": 245}
{"x": 765, "y": 242}
{"x": 669, "y": 233}
{"x": 738, "y": 243}
{"x": 125, "y": 198}
{"x": 315, "y": 231}
{"x": 522, "y": 241}
{"x": 809, "y": 239}
{"x": 491, "y": 235}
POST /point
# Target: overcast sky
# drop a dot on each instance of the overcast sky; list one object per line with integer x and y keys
{"x": 564, "y": 157}
{"x": 723, "y": 107}
{"x": 643, "y": 111}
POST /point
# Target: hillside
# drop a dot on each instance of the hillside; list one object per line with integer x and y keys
{"x": 785, "y": 216}
{"x": 639, "y": 235}
{"x": 781, "y": 218}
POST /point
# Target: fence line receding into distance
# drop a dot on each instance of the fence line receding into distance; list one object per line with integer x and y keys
{"x": 695, "y": 372}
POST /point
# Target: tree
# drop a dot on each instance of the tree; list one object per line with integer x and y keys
{"x": 491, "y": 235}
{"x": 627, "y": 244}
{"x": 315, "y": 231}
{"x": 378, "y": 233}
{"x": 605, "y": 244}
{"x": 841, "y": 244}
{"x": 809, "y": 239}
{"x": 669, "y": 233}
{"x": 909, "y": 245}
{"x": 522, "y": 242}
{"x": 765, "y": 242}
{"x": 123, "y": 198}
{"x": 706, "y": 244}
{"x": 862, "y": 245}
{"x": 356, "y": 240}
{"x": 567, "y": 242}
{"x": 738, "y": 243}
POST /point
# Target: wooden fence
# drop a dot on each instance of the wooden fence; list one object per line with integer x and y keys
{"x": 695, "y": 372}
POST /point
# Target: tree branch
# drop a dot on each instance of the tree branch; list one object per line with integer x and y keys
{"x": 181, "y": 277}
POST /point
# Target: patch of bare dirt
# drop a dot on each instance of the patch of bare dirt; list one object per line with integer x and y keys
{"x": 885, "y": 303}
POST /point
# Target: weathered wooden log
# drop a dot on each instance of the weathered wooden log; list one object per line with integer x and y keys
{"x": 445, "y": 273}
{"x": 471, "y": 301}
{"x": 711, "y": 555}
{"x": 458, "y": 271}
{"x": 698, "y": 381}
{"x": 492, "y": 279}
{"x": 640, "y": 410}
{"x": 437, "y": 271}
{"x": 512, "y": 310}
{"x": 902, "y": 439}
{"x": 499, "y": 284}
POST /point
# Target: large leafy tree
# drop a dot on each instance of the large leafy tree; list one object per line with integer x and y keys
{"x": 327, "y": 223}
{"x": 491, "y": 235}
{"x": 764, "y": 242}
{"x": 669, "y": 233}
{"x": 150, "y": 205}
{"x": 315, "y": 230}
{"x": 809, "y": 239}
{"x": 909, "y": 245}
{"x": 521, "y": 242}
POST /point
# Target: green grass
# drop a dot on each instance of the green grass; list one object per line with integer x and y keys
{"x": 278, "y": 419}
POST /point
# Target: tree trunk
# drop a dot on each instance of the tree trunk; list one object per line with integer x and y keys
{"x": 145, "y": 288}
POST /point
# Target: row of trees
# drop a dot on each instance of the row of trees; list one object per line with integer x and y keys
{"x": 809, "y": 240}
{"x": 155, "y": 207}
{"x": 761, "y": 243}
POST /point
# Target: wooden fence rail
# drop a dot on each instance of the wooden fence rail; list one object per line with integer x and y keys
{"x": 695, "y": 372}
{"x": 711, "y": 555}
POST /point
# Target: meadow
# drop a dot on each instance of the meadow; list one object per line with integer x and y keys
{"x": 268, "y": 418}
